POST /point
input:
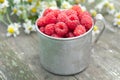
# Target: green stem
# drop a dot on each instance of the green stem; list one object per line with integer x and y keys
{"x": 9, "y": 19}
{"x": 4, "y": 22}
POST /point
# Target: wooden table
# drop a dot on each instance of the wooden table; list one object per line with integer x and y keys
{"x": 19, "y": 58}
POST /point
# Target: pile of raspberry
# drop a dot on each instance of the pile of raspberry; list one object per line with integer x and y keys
{"x": 65, "y": 23}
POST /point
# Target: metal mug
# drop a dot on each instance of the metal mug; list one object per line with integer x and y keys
{"x": 66, "y": 56}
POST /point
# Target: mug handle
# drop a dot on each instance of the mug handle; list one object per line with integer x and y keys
{"x": 100, "y": 18}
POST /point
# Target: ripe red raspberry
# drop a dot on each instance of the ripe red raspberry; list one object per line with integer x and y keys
{"x": 61, "y": 28}
{"x": 41, "y": 22}
{"x": 72, "y": 22}
{"x": 55, "y": 35}
{"x": 62, "y": 17}
{"x": 42, "y": 29}
{"x": 70, "y": 34}
{"x": 70, "y": 12}
{"x": 84, "y": 13}
{"x": 46, "y": 11}
{"x": 79, "y": 30}
{"x": 56, "y": 12}
{"x": 50, "y": 18}
{"x": 73, "y": 17}
{"x": 49, "y": 29}
{"x": 86, "y": 21}
{"x": 77, "y": 8}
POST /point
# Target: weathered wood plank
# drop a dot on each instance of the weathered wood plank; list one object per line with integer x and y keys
{"x": 108, "y": 61}
{"x": 11, "y": 67}
{"x": 105, "y": 58}
{"x": 103, "y": 66}
{"x": 27, "y": 50}
{"x": 93, "y": 72}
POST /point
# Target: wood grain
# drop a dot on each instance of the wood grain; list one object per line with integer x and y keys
{"x": 24, "y": 49}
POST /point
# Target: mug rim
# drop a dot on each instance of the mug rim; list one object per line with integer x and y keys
{"x": 64, "y": 39}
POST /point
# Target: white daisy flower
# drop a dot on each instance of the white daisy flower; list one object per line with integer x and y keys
{"x": 100, "y": 6}
{"x": 83, "y": 7}
{"x": 95, "y": 30}
{"x": 52, "y": 5}
{"x": 33, "y": 9}
{"x": 117, "y": 15}
{"x": 111, "y": 8}
{"x": 44, "y": 5}
{"x": 91, "y": 1}
{"x": 18, "y": 10}
{"x": 29, "y": 27}
{"x": 3, "y": 4}
{"x": 93, "y": 12}
{"x": 66, "y": 5}
{"x": 116, "y": 22}
{"x": 16, "y": 1}
{"x": 13, "y": 29}
{"x": 106, "y": 3}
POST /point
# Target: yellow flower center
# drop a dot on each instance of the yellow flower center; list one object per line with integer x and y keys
{"x": 21, "y": 8}
{"x": 30, "y": 1}
{"x": 38, "y": 3}
{"x": 30, "y": 28}
{"x": 107, "y": 4}
{"x": 11, "y": 30}
{"x": 94, "y": 13}
{"x": 33, "y": 10}
{"x": 2, "y": 11}
{"x": 118, "y": 16}
{"x": 2, "y": 1}
{"x": 79, "y": 1}
{"x": 118, "y": 23}
{"x": 15, "y": 10}
{"x": 95, "y": 28}
{"x": 111, "y": 7}
{"x": 65, "y": 6}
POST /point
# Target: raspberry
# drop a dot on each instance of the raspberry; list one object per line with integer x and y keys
{"x": 65, "y": 23}
{"x": 61, "y": 28}
{"x": 79, "y": 30}
{"x": 56, "y": 12}
{"x": 62, "y": 17}
{"x": 41, "y": 22}
{"x": 49, "y": 29}
{"x": 42, "y": 29}
{"x": 72, "y": 22}
{"x": 70, "y": 34}
{"x": 50, "y": 18}
{"x": 84, "y": 13}
{"x": 70, "y": 12}
{"x": 46, "y": 11}
{"x": 55, "y": 35}
{"x": 73, "y": 17}
{"x": 86, "y": 21}
{"x": 77, "y": 8}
